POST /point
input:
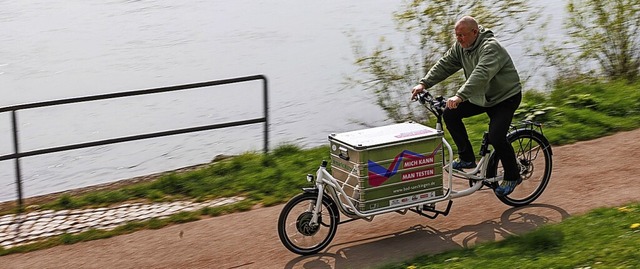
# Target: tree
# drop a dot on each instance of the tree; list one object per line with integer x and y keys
{"x": 605, "y": 33}
{"x": 390, "y": 72}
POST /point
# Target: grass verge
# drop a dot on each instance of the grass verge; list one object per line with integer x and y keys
{"x": 602, "y": 238}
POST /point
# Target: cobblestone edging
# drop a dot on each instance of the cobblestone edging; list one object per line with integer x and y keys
{"x": 21, "y": 229}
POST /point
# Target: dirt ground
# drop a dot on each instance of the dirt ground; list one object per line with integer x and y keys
{"x": 586, "y": 175}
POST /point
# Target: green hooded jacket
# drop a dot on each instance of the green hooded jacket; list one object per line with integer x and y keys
{"x": 488, "y": 68}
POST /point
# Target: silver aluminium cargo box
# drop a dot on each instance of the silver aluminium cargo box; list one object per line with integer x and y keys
{"x": 388, "y": 166}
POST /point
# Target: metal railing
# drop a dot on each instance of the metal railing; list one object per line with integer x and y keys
{"x": 16, "y": 141}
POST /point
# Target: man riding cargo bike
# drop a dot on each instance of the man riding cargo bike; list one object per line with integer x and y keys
{"x": 492, "y": 87}
{"x": 410, "y": 167}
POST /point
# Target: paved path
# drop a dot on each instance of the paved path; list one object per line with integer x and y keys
{"x": 21, "y": 229}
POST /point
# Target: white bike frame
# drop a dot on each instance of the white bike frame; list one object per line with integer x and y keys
{"x": 326, "y": 182}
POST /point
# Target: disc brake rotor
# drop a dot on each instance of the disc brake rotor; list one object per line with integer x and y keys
{"x": 526, "y": 168}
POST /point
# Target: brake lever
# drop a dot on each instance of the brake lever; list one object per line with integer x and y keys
{"x": 421, "y": 98}
{"x": 424, "y": 97}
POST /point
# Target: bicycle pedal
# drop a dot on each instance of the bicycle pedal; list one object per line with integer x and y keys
{"x": 486, "y": 183}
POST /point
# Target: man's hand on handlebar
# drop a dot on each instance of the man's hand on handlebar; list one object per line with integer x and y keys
{"x": 453, "y": 102}
{"x": 415, "y": 91}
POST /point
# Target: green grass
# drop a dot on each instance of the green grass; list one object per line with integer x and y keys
{"x": 264, "y": 179}
{"x": 603, "y": 238}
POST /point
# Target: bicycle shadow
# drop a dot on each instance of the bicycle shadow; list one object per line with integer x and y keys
{"x": 424, "y": 239}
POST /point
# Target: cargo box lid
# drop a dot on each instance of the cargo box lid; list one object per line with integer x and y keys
{"x": 365, "y": 138}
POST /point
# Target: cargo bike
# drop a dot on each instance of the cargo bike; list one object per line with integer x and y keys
{"x": 400, "y": 168}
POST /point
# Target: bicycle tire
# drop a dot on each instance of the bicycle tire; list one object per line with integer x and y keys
{"x": 529, "y": 146}
{"x": 293, "y": 224}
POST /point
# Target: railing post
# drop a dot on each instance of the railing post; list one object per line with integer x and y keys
{"x": 266, "y": 115}
{"x": 16, "y": 149}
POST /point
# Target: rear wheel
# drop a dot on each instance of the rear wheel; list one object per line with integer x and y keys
{"x": 294, "y": 224}
{"x": 534, "y": 159}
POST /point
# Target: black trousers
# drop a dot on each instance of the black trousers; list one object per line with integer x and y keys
{"x": 500, "y": 117}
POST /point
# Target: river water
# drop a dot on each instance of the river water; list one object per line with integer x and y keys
{"x": 63, "y": 49}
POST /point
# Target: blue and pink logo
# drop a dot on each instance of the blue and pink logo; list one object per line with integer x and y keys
{"x": 378, "y": 174}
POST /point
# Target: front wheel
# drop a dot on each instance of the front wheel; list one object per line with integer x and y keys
{"x": 295, "y": 230}
{"x": 533, "y": 152}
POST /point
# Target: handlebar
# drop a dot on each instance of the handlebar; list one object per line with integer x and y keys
{"x": 435, "y": 105}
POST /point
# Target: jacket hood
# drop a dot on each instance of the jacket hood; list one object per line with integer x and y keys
{"x": 483, "y": 33}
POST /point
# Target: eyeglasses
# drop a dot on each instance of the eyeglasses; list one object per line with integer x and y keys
{"x": 464, "y": 35}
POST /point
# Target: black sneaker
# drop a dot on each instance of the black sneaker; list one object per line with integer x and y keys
{"x": 460, "y": 164}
